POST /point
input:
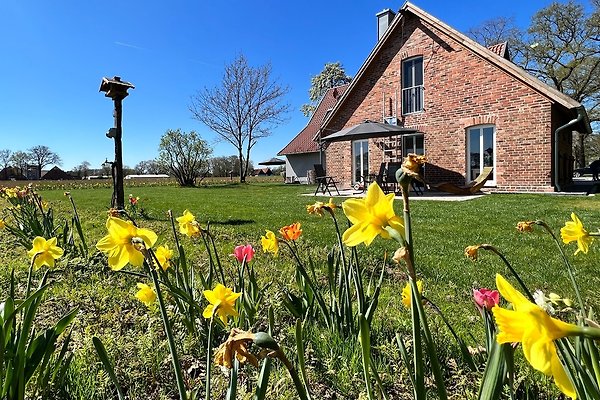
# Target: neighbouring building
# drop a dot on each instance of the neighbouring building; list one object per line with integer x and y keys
{"x": 304, "y": 150}
{"x": 463, "y": 105}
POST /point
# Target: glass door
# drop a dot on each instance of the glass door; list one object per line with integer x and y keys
{"x": 481, "y": 152}
{"x": 360, "y": 160}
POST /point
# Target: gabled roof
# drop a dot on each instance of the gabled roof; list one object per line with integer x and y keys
{"x": 303, "y": 142}
{"x": 491, "y": 56}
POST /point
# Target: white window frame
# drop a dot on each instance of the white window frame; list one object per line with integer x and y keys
{"x": 479, "y": 144}
{"x": 415, "y": 93}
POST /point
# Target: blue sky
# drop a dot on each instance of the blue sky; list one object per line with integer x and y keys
{"x": 55, "y": 53}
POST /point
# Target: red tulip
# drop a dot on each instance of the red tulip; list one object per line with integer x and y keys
{"x": 486, "y": 298}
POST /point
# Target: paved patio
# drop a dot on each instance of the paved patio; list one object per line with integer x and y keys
{"x": 427, "y": 195}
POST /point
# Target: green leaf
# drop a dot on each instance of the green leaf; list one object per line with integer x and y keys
{"x": 101, "y": 351}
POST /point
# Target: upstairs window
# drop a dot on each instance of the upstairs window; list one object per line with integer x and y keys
{"x": 412, "y": 85}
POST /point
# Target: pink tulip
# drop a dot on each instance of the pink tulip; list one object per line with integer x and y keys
{"x": 486, "y": 298}
{"x": 240, "y": 252}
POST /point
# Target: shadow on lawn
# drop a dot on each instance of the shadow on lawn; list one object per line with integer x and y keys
{"x": 233, "y": 222}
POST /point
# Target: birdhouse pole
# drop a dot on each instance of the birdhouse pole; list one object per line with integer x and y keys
{"x": 117, "y": 90}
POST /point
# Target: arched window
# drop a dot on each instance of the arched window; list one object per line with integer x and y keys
{"x": 481, "y": 151}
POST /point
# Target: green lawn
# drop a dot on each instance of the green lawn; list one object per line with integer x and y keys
{"x": 240, "y": 214}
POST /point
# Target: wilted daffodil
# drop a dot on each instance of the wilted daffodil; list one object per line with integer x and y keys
{"x": 291, "y": 232}
{"x": 188, "y": 224}
{"x": 223, "y": 298}
{"x": 471, "y": 252}
{"x": 44, "y": 252}
{"x": 119, "y": 243}
{"x": 237, "y": 344}
{"x": 164, "y": 255}
{"x": 319, "y": 207}
{"x": 370, "y": 217}
{"x": 529, "y": 324}
{"x": 406, "y": 293}
{"x": 269, "y": 242}
{"x": 412, "y": 163}
{"x": 574, "y": 231}
{"x": 145, "y": 294}
{"x": 525, "y": 226}
{"x": 2, "y": 224}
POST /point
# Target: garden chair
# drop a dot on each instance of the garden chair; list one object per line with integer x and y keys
{"x": 391, "y": 184}
{"x": 468, "y": 189}
{"x": 324, "y": 182}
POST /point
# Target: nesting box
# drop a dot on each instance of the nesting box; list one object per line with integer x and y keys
{"x": 115, "y": 88}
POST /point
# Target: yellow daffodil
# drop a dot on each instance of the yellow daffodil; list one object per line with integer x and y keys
{"x": 269, "y": 242}
{"x": 188, "y": 224}
{"x": 119, "y": 244}
{"x": 44, "y": 252}
{"x": 291, "y": 232}
{"x": 223, "y": 298}
{"x": 2, "y": 224}
{"x": 525, "y": 226}
{"x": 574, "y": 231}
{"x": 529, "y": 324}
{"x": 145, "y": 294}
{"x": 406, "y": 293}
{"x": 370, "y": 216}
{"x": 164, "y": 255}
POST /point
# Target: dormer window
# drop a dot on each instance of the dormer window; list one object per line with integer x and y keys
{"x": 412, "y": 85}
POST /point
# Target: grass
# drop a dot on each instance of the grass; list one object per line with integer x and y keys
{"x": 240, "y": 214}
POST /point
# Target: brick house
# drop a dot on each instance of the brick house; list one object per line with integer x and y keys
{"x": 302, "y": 152}
{"x": 468, "y": 106}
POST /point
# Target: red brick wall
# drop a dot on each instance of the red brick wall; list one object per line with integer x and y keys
{"x": 461, "y": 90}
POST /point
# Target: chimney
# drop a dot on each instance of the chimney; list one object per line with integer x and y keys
{"x": 384, "y": 19}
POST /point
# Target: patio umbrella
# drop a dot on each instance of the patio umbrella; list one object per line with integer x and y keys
{"x": 273, "y": 161}
{"x": 366, "y": 130}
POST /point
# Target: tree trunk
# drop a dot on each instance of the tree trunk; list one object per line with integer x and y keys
{"x": 242, "y": 169}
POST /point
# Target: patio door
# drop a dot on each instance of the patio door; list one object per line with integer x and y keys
{"x": 360, "y": 160}
{"x": 481, "y": 151}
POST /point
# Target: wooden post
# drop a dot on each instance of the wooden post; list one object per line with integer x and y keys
{"x": 117, "y": 90}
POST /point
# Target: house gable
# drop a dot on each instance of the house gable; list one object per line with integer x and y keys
{"x": 465, "y": 85}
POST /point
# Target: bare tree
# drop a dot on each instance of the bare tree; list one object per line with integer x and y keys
{"x": 186, "y": 155}
{"x": 150, "y": 167}
{"x": 82, "y": 169}
{"x": 42, "y": 156}
{"x": 20, "y": 160}
{"x": 5, "y": 155}
{"x": 243, "y": 108}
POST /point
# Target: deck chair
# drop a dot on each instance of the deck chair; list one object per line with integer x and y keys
{"x": 324, "y": 182}
{"x": 470, "y": 188}
{"x": 391, "y": 184}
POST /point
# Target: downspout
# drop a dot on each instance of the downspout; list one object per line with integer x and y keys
{"x": 580, "y": 117}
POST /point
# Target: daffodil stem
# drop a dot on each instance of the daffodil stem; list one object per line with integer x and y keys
{"x": 567, "y": 264}
{"x": 209, "y": 354}
{"x": 293, "y": 373}
{"x": 169, "y": 333}
{"x": 510, "y": 267}
{"x": 29, "y": 275}
{"x": 410, "y": 262}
